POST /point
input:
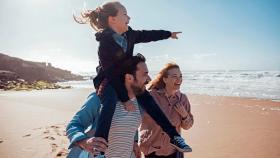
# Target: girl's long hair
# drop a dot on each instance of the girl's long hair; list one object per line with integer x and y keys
{"x": 98, "y": 18}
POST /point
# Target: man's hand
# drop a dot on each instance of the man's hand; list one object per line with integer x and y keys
{"x": 129, "y": 106}
{"x": 93, "y": 145}
{"x": 136, "y": 150}
{"x": 174, "y": 35}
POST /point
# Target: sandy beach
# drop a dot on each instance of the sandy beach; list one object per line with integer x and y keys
{"x": 33, "y": 125}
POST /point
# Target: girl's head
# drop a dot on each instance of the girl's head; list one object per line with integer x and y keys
{"x": 109, "y": 15}
{"x": 170, "y": 78}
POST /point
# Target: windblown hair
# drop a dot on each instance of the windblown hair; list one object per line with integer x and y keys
{"x": 158, "y": 82}
{"x": 98, "y": 18}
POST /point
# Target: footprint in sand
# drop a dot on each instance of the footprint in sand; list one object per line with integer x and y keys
{"x": 55, "y": 126}
{"x": 54, "y": 147}
{"x": 46, "y": 132}
{"x": 56, "y": 136}
{"x": 1, "y": 140}
{"x": 59, "y": 129}
{"x": 62, "y": 152}
{"x": 27, "y": 135}
{"x": 49, "y": 137}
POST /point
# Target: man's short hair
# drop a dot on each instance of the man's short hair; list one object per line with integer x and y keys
{"x": 130, "y": 65}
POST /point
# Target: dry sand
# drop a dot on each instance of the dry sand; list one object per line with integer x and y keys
{"x": 232, "y": 127}
{"x": 33, "y": 125}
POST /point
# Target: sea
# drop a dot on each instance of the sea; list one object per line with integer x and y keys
{"x": 239, "y": 83}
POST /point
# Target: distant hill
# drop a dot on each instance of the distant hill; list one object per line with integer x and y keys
{"x": 11, "y": 67}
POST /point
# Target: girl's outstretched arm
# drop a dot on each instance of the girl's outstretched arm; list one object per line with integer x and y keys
{"x": 143, "y": 36}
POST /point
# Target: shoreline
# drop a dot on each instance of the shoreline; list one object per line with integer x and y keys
{"x": 3, "y": 92}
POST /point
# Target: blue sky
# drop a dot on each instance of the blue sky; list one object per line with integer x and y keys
{"x": 217, "y": 34}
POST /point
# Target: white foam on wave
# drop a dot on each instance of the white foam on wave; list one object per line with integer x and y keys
{"x": 254, "y": 84}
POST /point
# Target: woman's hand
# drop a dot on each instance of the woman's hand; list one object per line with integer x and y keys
{"x": 181, "y": 110}
{"x": 174, "y": 35}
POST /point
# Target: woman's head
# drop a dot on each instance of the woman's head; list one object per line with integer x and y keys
{"x": 169, "y": 77}
{"x": 109, "y": 15}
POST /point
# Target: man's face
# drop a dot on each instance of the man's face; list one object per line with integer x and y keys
{"x": 141, "y": 78}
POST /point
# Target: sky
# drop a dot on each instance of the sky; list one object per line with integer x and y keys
{"x": 217, "y": 34}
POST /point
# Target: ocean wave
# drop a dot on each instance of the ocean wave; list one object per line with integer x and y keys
{"x": 253, "y": 84}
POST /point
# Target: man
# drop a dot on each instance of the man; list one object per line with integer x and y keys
{"x": 124, "y": 124}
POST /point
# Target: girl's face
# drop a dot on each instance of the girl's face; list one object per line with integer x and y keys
{"x": 121, "y": 20}
{"x": 174, "y": 79}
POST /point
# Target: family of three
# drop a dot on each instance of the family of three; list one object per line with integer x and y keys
{"x": 122, "y": 110}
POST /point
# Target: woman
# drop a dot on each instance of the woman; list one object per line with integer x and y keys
{"x": 165, "y": 89}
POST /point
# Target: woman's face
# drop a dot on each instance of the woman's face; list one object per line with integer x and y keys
{"x": 173, "y": 80}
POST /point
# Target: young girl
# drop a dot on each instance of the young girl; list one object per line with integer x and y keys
{"x": 116, "y": 42}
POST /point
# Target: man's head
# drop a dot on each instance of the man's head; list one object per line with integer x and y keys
{"x": 135, "y": 73}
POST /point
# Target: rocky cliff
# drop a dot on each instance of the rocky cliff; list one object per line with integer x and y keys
{"x": 12, "y": 68}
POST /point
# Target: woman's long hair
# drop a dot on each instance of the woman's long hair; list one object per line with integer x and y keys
{"x": 158, "y": 82}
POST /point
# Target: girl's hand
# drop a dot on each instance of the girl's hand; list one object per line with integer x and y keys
{"x": 174, "y": 35}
